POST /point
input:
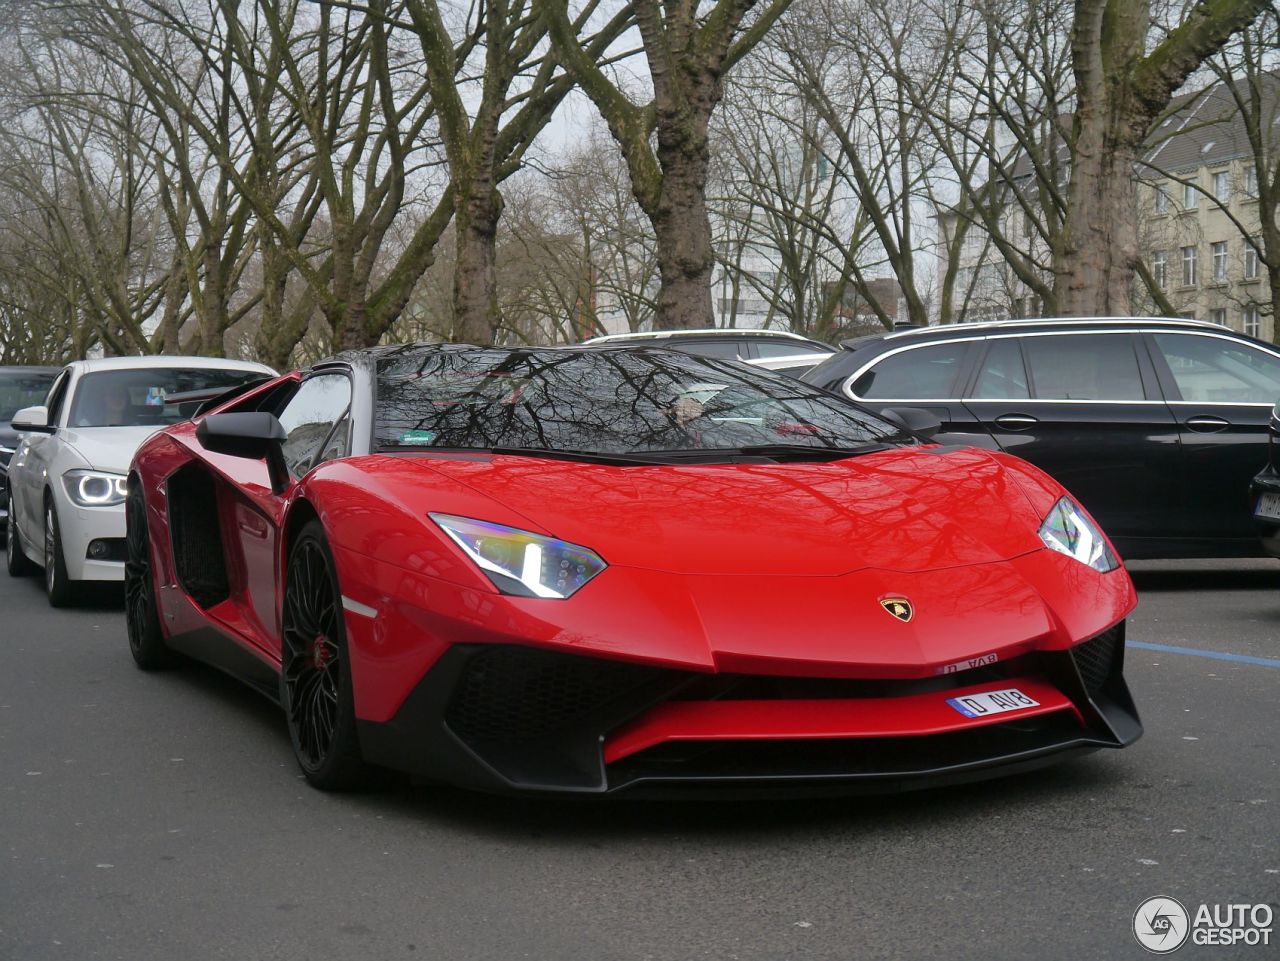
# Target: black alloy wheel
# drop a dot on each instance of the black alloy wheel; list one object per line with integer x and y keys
{"x": 315, "y": 680}
{"x": 16, "y": 561}
{"x": 146, "y": 639}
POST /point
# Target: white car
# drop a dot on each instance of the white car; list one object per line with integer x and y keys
{"x": 67, "y": 477}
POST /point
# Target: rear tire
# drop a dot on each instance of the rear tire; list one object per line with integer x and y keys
{"x": 58, "y": 587}
{"x": 315, "y": 675}
{"x": 16, "y": 561}
{"x": 146, "y": 638}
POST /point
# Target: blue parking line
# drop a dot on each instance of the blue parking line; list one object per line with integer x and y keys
{"x": 1196, "y": 652}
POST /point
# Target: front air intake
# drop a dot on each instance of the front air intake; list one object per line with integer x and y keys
{"x": 1096, "y": 658}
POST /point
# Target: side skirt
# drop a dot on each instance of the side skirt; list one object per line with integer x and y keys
{"x": 212, "y": 647}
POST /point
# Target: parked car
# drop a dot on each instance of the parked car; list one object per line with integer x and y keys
{"x": 67, "y": 477}
{"x": 1264, "y": 492}
{"x": 579, "y": 571}
{"x": 793, "y": 365}
{"x": 727, "y": 343}
{"x": 19, "y": 387}
{"x": 1156, "y": 425}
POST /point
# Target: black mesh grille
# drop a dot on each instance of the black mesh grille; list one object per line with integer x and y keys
{"x": 516, "y": 693}
{"x": 1094, "y": 659}
{"x": 197, "y": 536}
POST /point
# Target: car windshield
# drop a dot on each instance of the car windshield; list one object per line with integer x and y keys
{"x": 22, "y": 388}
{"x": 136, "y": 398}
{"x": 608, "y": 401}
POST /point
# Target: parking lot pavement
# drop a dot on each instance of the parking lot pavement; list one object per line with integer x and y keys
{"x": 161, "y": 817}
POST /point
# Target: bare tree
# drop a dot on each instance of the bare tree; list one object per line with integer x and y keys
{"x": 1123, "y": 83}
{"x": 689, "y": 48}
{"x": 482, "y": 150}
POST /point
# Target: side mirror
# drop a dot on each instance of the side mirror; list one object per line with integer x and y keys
{"x": 914, "y": 419}
{"x": 33, "y": 420}
{"x": 254, "y": 435}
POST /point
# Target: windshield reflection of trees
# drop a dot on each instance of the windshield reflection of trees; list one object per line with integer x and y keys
{"x": 602, "y": 401}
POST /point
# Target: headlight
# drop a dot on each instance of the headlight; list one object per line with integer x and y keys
{"x": 91, "y": 488}
{"x": 1068, "y": 531}
{"x": 520, "y": 562}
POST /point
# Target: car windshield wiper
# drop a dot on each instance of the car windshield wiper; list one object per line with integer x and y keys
{"x": 787, "y": 450}
{"x": 586, "y": 456}
{"x": 552, "y": 453}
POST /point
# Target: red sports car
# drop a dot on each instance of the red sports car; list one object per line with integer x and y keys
{"x": 623, "y": 570}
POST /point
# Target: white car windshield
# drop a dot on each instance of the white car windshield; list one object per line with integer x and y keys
{"x": 136, "y": 398}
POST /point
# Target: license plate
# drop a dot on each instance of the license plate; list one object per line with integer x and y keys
{"x": 991, "y": 702}
{"x": 1268, "y": 506}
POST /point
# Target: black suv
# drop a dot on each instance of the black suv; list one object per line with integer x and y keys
{"x": 1157, "y": 426}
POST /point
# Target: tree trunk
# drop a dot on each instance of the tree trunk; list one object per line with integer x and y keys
{"x": 1120, "y": 90}
{"x": 213, "y": 316}
{"x": 1102, "y": 225}
{"x": 683, "y": 228}
{"x": 475, "y": 276}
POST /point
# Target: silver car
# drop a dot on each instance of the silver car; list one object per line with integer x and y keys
{"x": 68, "y": 474}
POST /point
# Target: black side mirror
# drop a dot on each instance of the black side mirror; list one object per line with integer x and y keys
{"x": 914, "y": 419}
{"x": 255, "y": 435}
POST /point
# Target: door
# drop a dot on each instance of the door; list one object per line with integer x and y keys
{"x": 1085, "y": 408}
{"x": 1221, "y": 391}
{"x": 315, "y": 420}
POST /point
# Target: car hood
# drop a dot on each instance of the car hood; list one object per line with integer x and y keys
{"x": 107, "y": 448}
{"x": 903, "y": 510}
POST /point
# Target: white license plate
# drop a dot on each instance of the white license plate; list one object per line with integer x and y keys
{"x": 991, "y": 702}
{"x": 1268, "y": 506}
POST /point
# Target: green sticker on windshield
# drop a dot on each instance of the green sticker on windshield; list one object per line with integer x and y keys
{"x": 418, "y": 437}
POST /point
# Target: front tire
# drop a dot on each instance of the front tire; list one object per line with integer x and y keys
{"x": 146, "y": 639}
{"x": 57, "y": 585}
{"x": 16, "y": 561}
{"x": 315, "y": 676}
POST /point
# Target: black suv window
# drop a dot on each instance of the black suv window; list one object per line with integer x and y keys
{"x": 1215, "y": 370}
{"x": 920, "y": 373}
{"x": 1002, "y": 375}
{"x": 1083, "y": 367}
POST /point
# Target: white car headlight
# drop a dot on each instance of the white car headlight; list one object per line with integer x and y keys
{"x": 520, "y": 562}
{"x": 1069, "y": 531}
{"x": 92, "y": 488}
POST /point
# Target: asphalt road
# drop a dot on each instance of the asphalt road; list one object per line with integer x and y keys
{"x": 161, "y": 817}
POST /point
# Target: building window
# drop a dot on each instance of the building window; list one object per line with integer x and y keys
{"x": 1190, "y": 196}
{"x": 1222, "y": 187}
{"x": 1252, "y": 325}
{"x": 1219, "y": 261}
{"x": 1188, "y": 266}
{"x": 1160, "y": 268}
{"x": 1251, "y": 259}
{"x": 1251, "y": 181}
{"x": 1218, "y": 316}
{"x": 1162, "y": 198}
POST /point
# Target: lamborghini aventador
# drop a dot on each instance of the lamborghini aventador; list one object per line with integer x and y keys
{"x": 623, "y": 570}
